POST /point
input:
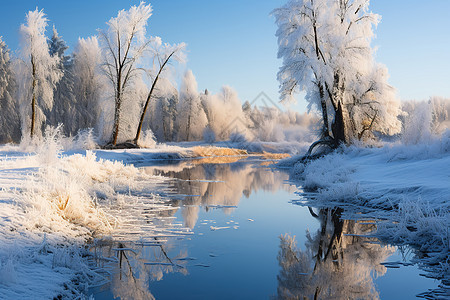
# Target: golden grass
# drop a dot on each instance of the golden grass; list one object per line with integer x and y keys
{"x": 200, "y": 151}
{"x": 267, "y": 155}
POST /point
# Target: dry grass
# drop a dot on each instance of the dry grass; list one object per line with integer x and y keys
{"x": 267, "y": 155}
{"x": 217, "y": 151}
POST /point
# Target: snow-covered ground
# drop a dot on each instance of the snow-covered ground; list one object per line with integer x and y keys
{"x": 405, "y": 188}
{"x": 53, "y": 202}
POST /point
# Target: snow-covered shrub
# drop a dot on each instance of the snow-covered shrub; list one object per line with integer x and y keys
{"x": 147, "y": 139}
{"x": 8, "y": 274}
{"x": 270, "y": 131}
{"x": 49, "y": 149}
{"x": 85, "y": 139}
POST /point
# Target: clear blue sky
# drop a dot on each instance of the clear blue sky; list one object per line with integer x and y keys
{"x": 233, "y": 42}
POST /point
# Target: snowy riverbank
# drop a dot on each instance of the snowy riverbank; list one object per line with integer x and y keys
{"x": 405, "y": 188}
{"x": 51, "y": 204}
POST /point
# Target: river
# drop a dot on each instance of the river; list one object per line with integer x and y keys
{"x": 233, "y": 229}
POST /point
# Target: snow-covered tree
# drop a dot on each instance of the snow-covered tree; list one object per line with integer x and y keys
{"x": 88, "y": 80}
{"x": 64, "y": 109}
{"x": 224, "y": 113}
{"x": 191, "y": 118}
{"x": 9, "y": 115}
{"x": 326, "y": 51}
{"x": 123, "y": 44}
{"x": 39, "y": 72}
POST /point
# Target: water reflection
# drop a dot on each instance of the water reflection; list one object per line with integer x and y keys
{"x": 134, "y": 265}
{"x": 149, "y": 245}
{"x": 211, "y": 183}
{"x": 147, "y": 255}
{"x": 337, "y": 263}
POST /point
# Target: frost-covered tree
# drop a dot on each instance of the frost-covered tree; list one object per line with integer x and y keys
{"x": 123, "y": 44}
{"x": 88, "y": 81}
{"x": 64, "y": 109}
{"x": 192, "y": 118}
{"x": 425, "y": 120}
{"x": 162, "y": 55}
{"x": 9, "y": 117}
{"x": 326, "y": 51}
{"x": 224, "y": 113}
{"x": 39, "y": 72}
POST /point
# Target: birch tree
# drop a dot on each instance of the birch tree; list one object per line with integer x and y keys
{"x": 39, "y": 71}
{"x": 123, "y": 44}
{"x": 326, "y": 52}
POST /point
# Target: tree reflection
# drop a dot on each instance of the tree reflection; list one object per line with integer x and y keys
{"x": 338, "y": 263}
{"x": 217, "y": 184}
{"x": 137, "y": 266}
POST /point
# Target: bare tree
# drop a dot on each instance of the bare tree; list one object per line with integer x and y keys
{"x": 124, "y": 44}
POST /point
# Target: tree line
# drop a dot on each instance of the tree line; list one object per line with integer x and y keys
{"x": 120, "y": 83}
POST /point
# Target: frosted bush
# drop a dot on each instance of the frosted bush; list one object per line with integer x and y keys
{"x": 8, "y": 274}
{"x": 270, "y": 131}
{"x": 49, "y": 150}
{"x": 147, "y": 139}
{"x": 85, "y": 139}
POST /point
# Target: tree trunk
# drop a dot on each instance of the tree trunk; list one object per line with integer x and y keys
{"x": 339, "y": 126}
{"x": 116, "y": 122}
{"x": 118, "y": 104}
{"x": 33, "y": 99}
{"x": 323, "y": 103}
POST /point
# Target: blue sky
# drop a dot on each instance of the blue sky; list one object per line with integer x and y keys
{"x": 233, "y": 42}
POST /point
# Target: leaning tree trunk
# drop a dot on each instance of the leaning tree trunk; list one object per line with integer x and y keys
{"x": 149, "y": 96}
